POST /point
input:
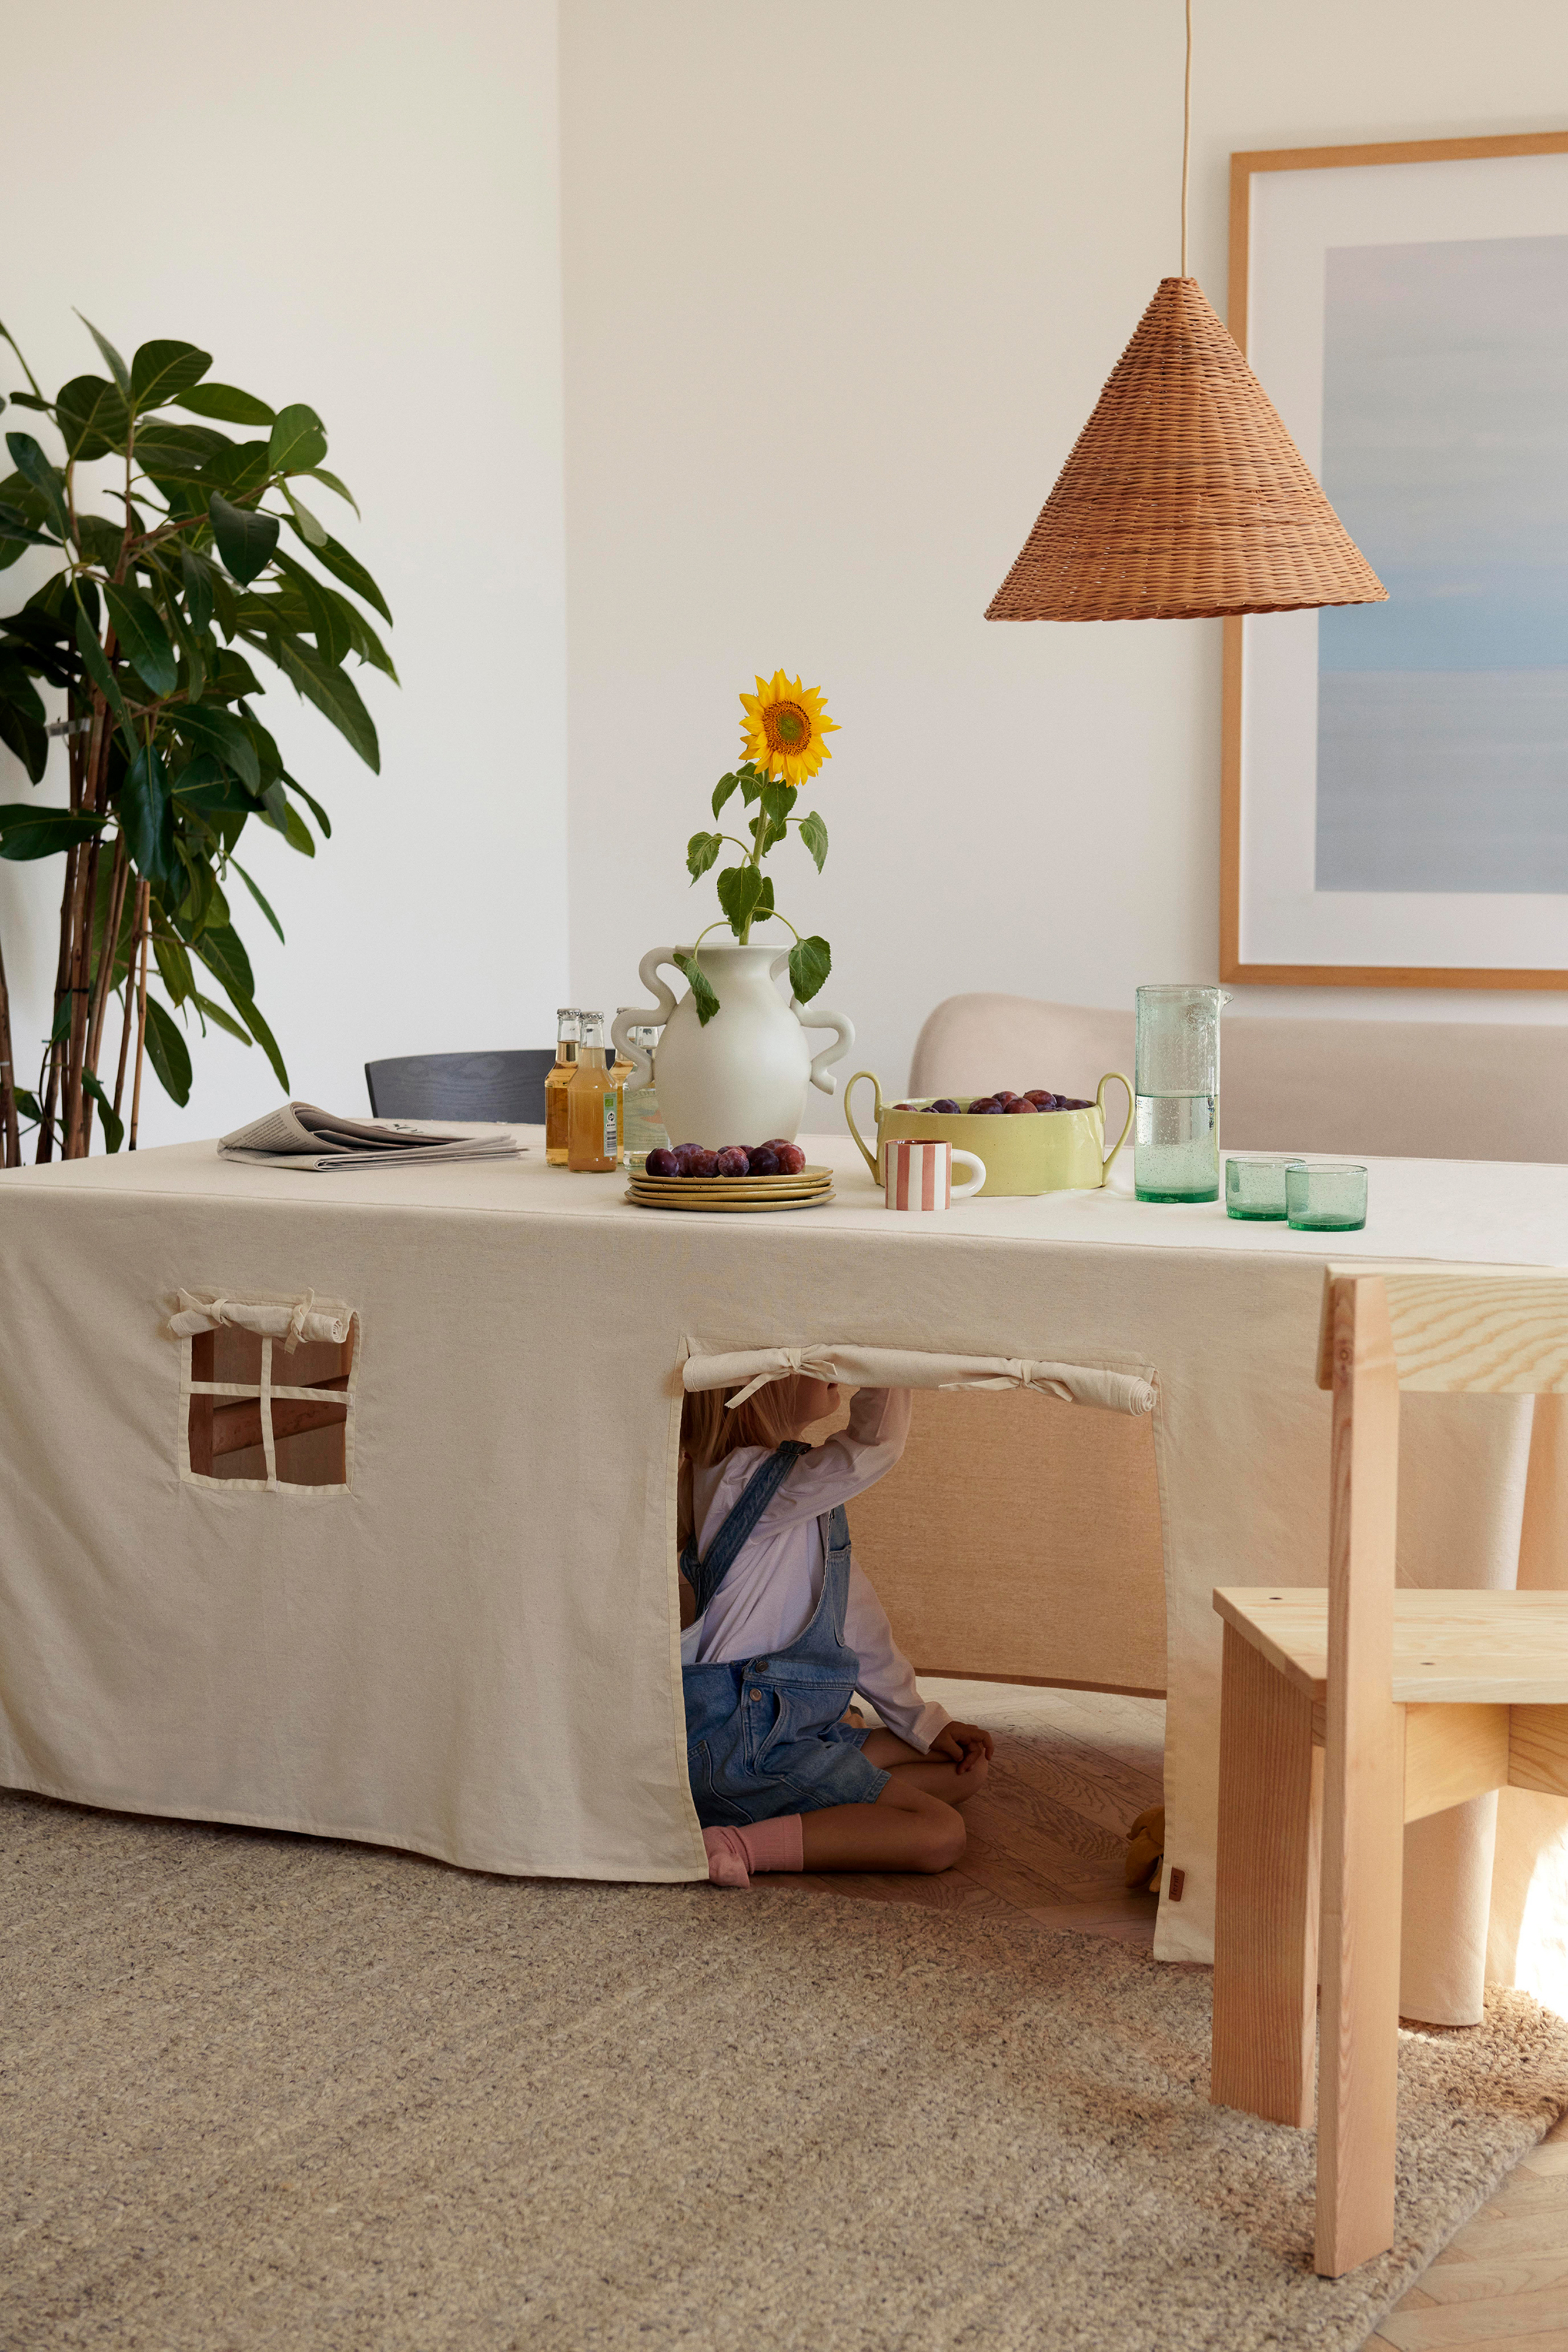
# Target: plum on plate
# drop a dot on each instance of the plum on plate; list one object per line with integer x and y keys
{"x": 734, "y": 1161}
{"x": 663, "y": 1163}
{"x": 791, "y": 1158}
{"x": 699, "y": 1162}
{"x": 764, "y": 1159}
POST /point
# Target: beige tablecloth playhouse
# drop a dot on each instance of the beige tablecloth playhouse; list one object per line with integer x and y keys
{"x": 460, "y": 1636}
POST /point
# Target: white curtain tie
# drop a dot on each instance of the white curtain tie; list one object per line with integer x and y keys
{"x": 814, "y": 1362}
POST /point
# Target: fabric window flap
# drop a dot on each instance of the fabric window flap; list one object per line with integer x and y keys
{"x": 898, "y": 1368}
{"x": 280, "y": 1316}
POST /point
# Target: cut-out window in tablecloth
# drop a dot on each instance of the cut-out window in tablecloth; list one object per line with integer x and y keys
{"x": 266, "y": 1391}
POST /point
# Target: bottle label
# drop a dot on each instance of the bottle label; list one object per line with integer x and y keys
{"x": 609, "y": 1136}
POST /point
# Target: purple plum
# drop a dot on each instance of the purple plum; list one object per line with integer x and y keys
{"x": 791, "y": 1158}
{"x": 944, "y": 1103}
{"x": 661, "y": 1163}
{"x": 699, "y": 1162}
{"x": 765, "y": 1160}
{"x": 1020, "y": 1102}
{"x": 734, "y": 1161}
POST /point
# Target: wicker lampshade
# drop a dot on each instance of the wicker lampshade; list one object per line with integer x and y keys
{"x": 1183, "y": 496}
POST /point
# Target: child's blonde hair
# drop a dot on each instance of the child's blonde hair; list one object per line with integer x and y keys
{"x": 710, "y": 1431}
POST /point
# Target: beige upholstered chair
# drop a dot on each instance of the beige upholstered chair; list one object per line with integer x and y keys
{"x": 1087, "y": 1525}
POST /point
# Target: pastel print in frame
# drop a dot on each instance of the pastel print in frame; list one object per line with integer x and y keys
{"x": 1392, "y": 804}
{"x": 919, "y": 1177}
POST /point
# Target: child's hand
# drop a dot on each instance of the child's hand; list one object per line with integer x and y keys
{"x": 963, "y": 1744}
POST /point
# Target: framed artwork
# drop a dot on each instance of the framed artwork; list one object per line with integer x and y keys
{"x": 1395, "y": 808}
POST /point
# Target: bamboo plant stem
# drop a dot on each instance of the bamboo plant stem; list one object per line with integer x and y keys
{"x": 140, "y": 1015}
{"x": 51, "y": 1086}
{"x": 107, "y": 953}
{"x": 10, "y": 1133}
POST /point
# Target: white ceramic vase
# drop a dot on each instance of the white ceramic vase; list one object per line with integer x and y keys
{"x": 742, "y": 1079}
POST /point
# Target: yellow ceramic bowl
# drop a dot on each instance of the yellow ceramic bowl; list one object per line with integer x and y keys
{"x": 1054, "y": 1151}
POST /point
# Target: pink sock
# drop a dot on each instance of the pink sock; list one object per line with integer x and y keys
{"x": 734, "y": 1854}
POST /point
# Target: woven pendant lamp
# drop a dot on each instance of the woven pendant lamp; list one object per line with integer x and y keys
{"x": 1185, "y": 496}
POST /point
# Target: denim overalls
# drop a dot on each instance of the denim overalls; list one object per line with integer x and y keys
{"x": 764, "y": 1736}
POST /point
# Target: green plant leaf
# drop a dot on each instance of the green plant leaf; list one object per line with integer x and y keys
{"x": 28, "y": 1105}
{"x": 315, "y": 532}
{"x": 299, "y": 440}
{"x": 286, "y": 819}
{"x": 29, "y": 400}
{"x": 113, "y": 1126}
{"x": 777, "y": 800}
{"x": 173, "y": 967}
{"x": 752, "y": 778}
{"x": 205, "y": 787}
{"x": 245, "y": 539}
{"x": 197, "y": 576}
{"x": 138, "y": 625}
{"x": 334, "y": 695}
{"x": 167, "y": 1052}
{"x": 179, "y": 453}
{"x": 95, "y": 661}
{"x": 226, "y": 402}
{"x": 19, "y": 535}
{"x": 765, "y": 904}
{"x": 25, "y": 735}
{"x": 739, "y": 888}
{"x": 810, "y": 962}
{"x": 215, "y": 1013}
{"x": 92, "y": 416}
{"x": 351, "y": 572}
{"x": 703, "y": 996}
{"x": 721, "y": 791}
{"x": 99, "y": 540}
{"x": 146, "y": 816}
{"x": 327, "y": 613}
{"x": 237, "y": 469}
{"x": 27, "y": 831}
{"x": 111, "y": 358}
{"x": 225, "y": 604}
{"x": 814, "y": 834}
{"x": 220, "y": 731}
{"x": 257, "y": 895}
{"x": 36, "y": 469}
{"x": 314, "y": 807}
{"x": 222, "y": 949}
{"x": 163, "y": 370}
{"x": 320, "y": 474}
{"x": 702, "y": 851}
{"x": 246, "y": 1008}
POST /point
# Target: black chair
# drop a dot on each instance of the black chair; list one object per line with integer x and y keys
{"x": 462, "y": 1085}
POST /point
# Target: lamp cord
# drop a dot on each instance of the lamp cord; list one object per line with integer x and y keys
{"x": 1185, "y": 135}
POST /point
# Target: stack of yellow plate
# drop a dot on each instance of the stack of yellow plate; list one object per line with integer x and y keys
{"x": 731, "y": 1194}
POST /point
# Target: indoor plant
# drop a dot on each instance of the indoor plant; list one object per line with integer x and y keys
{"x": 147, "y": 626}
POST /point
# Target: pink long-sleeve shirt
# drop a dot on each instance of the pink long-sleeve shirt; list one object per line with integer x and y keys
{"x": 767, "y": 1600}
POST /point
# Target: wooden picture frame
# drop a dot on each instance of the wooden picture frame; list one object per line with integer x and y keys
{"x": 1244, "y": 169}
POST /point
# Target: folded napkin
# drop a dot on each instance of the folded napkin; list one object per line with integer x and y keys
{"x": 299, "y": 1134}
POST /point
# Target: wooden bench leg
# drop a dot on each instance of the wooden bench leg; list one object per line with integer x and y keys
{"x": 1266, "y": 1891}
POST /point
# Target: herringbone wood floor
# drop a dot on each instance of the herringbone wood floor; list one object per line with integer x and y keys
{"x": 1071, "y": 1769}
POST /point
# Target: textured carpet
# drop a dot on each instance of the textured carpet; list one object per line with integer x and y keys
{"x": 261, "y": 2091}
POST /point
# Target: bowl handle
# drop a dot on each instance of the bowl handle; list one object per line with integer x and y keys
{"x": 1126, "y": 1123}
{"x": 869, "y": 1156}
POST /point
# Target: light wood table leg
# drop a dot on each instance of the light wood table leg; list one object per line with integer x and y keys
{"x": 1266, "y": 1891}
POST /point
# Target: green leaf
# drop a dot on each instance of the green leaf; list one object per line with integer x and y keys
{"x": 320, "y": 474}
{"x": 113, "y": 1126}
{"x": 752, "y": 778}
{"x": 173, "y": 967}
{"x": 288, "y": 822}
{"x": 29, "y": 400}
{"x": 739, "y": 888}
{"x": 220, "y": 731}
{"x": 101, "y": 541}
{"x": 196, "y": 573}
{"x": 25, "y": 735}
{"x": 814, "y": 834}
{"x": 314, "y": 807}
{"x": 36, "y": 469}
{"x": 237, "y": 469}
{"x": 222, "y": 949}
{"x": 27, "y": 831}
{"x": 327, "y": 614}
{"x": 27, "y": 1104}
{"x": 334, "y": 694}
{"x": 721, "y": 791}
{"x": 225, "y": 604}
{"x": 167, "y": 1052}
{"x": 203, "y": 785}
{"x": 96, "y": 663}
{"x": 147, "y": 817}
{"x": 226, "y": 402}
{"x": 257, "y": 895}
{"x": 315, "y": 532}
{"x": 299, "y": 440}
{"x": 703, "y": 996}
{"x": 111, "y": 358}
{"x": 777, "y": 800}
{"x": 765, "y": 904}
{"x": 138, "y": 625}
{"x": 20, "y": 535}
{"x": 245, "y": 540}
{"x": 351, "y": 572}
{"x": 92, "y": 416}
{"x": 702, "y": 851}
{"x": 163, "y": 370}
{"x": 810, "y": 962}
{"x": 216, "y": 1013}
{"x": 62, "y": 1020}
{"x": 179, "y": 453}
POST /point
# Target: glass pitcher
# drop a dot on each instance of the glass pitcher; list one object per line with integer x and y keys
{"x": 1175, "y": 1133}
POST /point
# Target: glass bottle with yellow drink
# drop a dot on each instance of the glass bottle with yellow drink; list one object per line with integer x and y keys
{"x": 592, "y": 1106}
{"x": 569, "y": 1035}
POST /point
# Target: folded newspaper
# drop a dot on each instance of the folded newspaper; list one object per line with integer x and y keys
{"x": 299, "y": 1134}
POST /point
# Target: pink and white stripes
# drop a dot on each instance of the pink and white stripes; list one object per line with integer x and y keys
{"x": 919, "y": 1176}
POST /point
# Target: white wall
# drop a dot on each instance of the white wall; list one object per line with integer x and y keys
{"x": 357, "y": 206}
{"x": 843, "y": 279}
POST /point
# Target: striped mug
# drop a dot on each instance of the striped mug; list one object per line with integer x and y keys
{"x": 919, "y": 1176}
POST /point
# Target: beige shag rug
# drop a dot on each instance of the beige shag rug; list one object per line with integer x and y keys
{"x": 261, "y": 2091}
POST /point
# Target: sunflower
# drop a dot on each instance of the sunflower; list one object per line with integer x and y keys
{"x": 784, "y": 727}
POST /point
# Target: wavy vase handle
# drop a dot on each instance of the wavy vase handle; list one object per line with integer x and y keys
{"x": 844, "y": 1030}
{"x": 654, "y": 1017}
